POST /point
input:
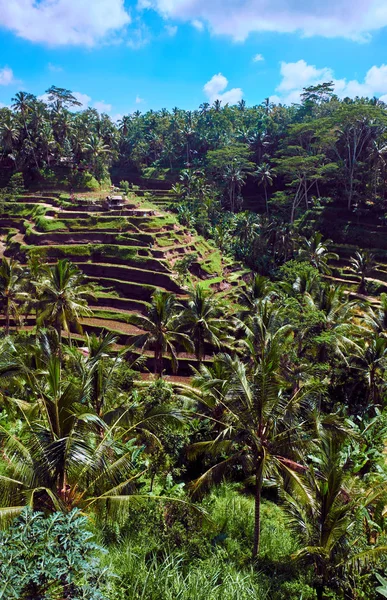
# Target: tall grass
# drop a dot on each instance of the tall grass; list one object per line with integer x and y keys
{"x": 209, "y": 562}
{"x": 171, "y": 577}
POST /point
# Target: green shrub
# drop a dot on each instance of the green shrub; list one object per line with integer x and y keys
{"x": 49, "y": 558}
{"x": 125, "y": 186}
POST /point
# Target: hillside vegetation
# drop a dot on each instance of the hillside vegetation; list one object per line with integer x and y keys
{"x": 193, "y": 384}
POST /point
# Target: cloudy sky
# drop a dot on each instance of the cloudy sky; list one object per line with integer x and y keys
{"x": 126, "y": 55}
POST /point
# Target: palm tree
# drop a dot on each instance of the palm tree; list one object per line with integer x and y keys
{"x": 338, "y": 318}
{"x": 65, "y": 455}
{"x": 61, "y": 459}
{"x": 376, "y": 317}
{"x": 324, "y": 520}
{"x": 265, "y": 178}
{"x": 9, "y": 135}
{"x": 98, "y": 364}
{"x": 98, "y": 152}
{"x": 161, "y": 330}
{"x": 315, "y": 251}
{"x": 258, "y": 425}
{"x": 362, "y": 265}
{"x": 202, "y": 320}
{"x": 62, "y": 297}
{"x": 371, "y": 359}
{"x": 258, "y": 289}
{"x": 12, "y": 289}
{"x": 23, "y": 103}
{"x": 235, "y": 178}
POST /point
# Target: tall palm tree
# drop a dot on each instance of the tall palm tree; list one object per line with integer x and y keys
{"x": 9, "y": 134}
{"x": 264, "y": 176}
{"x": 315, "y": 251}
{"x": 362, "y": 265}
{"x": 161, "y": 330}
{"x": 235, "y": 178}
{"x": 258, "y": 426}
{"x": 202, "y": 320}
{"x": 62, "y": 297}
{"x": 13, "y": 282}
{"x": 23, "y": 103}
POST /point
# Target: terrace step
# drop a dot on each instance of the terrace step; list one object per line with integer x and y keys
{"x": 126, "y": 305}
{"x": 88, "y": 237}
{"x": 129, "y": 274}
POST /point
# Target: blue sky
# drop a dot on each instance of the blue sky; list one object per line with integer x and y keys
{"x": 122, "y": 56}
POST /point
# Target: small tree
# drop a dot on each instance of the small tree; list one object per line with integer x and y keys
{"x": 362, "y": 264}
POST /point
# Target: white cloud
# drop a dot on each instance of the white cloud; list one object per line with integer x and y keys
{"x": 102, "y": 106}
{"x": 298, "y": 75}
{"x": 258, "y": 58}
{"x": 215, "y": 90}
{"x": 139, "y": 100}
{"x": 61, "y": 22}
{"x": 84, "y": 99}
{"x": 355, "y": 19}
{"x": 197, "y": 24}
{"x": 6, "y": 76}
{"x": 139, "y": 36}
{"x": 54, "y": 68}
{"x": 171, "y": 30}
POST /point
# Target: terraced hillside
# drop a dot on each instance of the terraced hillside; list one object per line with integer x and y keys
{"x": 128, "y": 253}
{"x": 351, "y": 232}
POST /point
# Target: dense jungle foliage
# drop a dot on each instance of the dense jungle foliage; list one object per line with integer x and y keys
{"x": 263, "y": 474}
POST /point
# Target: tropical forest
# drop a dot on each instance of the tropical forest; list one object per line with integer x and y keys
{"x": 193, "y": 350}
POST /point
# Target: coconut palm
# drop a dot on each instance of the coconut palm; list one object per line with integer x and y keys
{"x": 62, "y": 297}
{"x": 161, "y": 330}
{"x": 362, "y": 265}
{"x": 60, "y": 459}
{"x": 65, "y": 455}
{"x": 258, "y": 289}
{"x": 235, "y": 178}
{"x": 324, "y": 520}
{"x": 315, "y": 251}
{"x": 13, "y": 282}
{"x": 376, "y": 317}
{"x": 264, "y": 177}
{"x": 23, "y": 103}
{"x": 338, "y": 321}
{"x": 202, "y": 320}
{"x": 370, "y": 359}
{"x": 9, "y": 134}
{"x": 258, "y": 425}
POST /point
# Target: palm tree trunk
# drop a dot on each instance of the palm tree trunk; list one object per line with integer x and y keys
{"x": 7, "y": 311}
{"x": 257, "y": 511}
{"x": 320, "y": 591}
{"x": 158, "y": 367}
{"x": 267, "y": 206}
